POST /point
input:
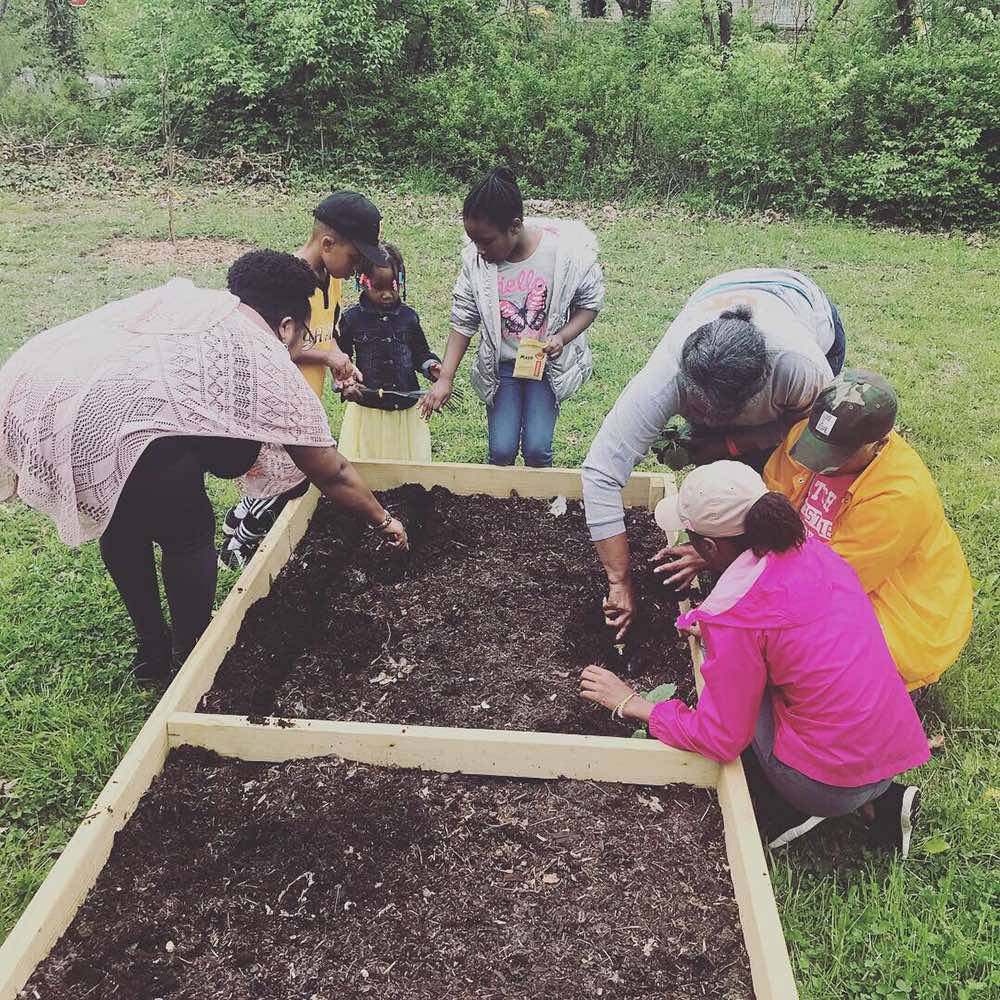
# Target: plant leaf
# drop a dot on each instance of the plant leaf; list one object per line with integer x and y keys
{"x": 936, "y": 845}
{"x": 660, "y": 693}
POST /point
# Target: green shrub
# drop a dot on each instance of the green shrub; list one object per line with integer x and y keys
{"x": 923, "y": 142}
{"x": 852, "y": 120}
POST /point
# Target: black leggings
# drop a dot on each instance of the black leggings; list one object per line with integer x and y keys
{"x": 164, "y": 501}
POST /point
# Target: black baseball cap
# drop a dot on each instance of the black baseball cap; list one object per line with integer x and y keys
{"x": 857, "y": 408}
{"x": 355, "y": 217}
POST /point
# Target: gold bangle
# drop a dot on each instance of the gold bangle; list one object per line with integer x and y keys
{"x": 383, "y": 524}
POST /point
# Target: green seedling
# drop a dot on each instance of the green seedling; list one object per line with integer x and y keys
{"x": 662, "y": 692}
{"x": 673, "y": 447}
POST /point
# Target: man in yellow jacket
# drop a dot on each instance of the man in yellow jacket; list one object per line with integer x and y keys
{"x": 860, "y": 487}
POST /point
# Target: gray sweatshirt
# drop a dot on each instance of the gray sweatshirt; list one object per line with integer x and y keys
{"x": 577, "y": 284}
{"x": 794, "y": 316}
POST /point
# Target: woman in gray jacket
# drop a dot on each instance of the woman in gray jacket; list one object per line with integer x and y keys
{"x": 741, "y": 363}
{"x": 535, "y": 278}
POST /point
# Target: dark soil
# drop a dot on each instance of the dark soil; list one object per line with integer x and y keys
{"x": 324, "y": 879}
{"x": 486, "y": 622}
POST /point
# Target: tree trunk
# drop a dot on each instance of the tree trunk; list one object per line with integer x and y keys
{"x": 594, "y": 8}
{"x": 904, "y": 18}
{"x": 62, "y": 33}
{"x": 637, "y": 9}
{"x": 709, "y": 27}
{"x": 725, "y": 28}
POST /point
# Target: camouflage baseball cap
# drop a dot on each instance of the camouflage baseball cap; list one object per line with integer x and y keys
{"x": 858, "y": 407}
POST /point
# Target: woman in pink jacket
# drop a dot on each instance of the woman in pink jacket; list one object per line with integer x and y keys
{"x": 796, "y": 666}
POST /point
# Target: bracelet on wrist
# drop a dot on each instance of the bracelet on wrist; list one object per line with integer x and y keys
{"x": 383, "y": 524}
{"x": 618, "y": 712}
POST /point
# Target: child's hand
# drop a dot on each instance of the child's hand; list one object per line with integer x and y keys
{"x": 435, "y": 398}
{"x": 350, "y": 392}
{"x": 343, "y": 368}
{"x": 434, "y": 371}
{"x": 553, "y": 346}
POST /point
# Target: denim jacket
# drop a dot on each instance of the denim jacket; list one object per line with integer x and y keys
{"x": 388, "y": 346}
{"x": 577, "y": 284}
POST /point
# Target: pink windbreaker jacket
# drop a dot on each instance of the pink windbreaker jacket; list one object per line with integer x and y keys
{"x": 799, "y": 627}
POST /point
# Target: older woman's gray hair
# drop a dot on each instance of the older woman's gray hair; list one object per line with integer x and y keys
{"x": 724, "y": 365}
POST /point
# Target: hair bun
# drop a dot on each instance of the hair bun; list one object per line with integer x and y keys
{"x": 740, "y": 312}
{"x": 504, "y": 174}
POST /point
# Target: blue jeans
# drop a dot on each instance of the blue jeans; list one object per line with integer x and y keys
{"x": 814, "y": 798}
{"x": 838, "y": 352}
{"x": 522, "y": 415}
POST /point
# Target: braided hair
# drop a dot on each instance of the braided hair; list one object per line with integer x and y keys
{"x": 396, "y": 265}
{"x": 495, "y": 199}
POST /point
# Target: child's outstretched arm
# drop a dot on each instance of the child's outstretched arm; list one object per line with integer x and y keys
{"x": 339, "y": 358}
{"x": 425, "y": 360}
{"x": 440, "y": 392}
{"x": 338, "y": 361}
{"x": 465, "y": 321}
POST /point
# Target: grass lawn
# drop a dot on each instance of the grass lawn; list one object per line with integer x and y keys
{"x": 923, "y": 310}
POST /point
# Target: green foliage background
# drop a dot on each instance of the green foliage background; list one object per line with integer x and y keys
{"x": 851, "y": 119}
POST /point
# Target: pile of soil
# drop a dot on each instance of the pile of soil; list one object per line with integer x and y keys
{"x": 326, "y": 879}
{"x": 486, "y": 622}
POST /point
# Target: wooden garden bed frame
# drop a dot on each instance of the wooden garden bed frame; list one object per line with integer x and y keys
{"x": 473, "y": 751}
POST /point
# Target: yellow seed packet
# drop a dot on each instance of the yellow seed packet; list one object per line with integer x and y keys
{"x": 530, "y": 361}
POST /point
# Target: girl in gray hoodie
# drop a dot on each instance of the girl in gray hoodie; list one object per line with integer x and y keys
{"x": 520, "y": 278}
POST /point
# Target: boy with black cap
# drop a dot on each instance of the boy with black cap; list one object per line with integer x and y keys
{"x": 863, "y": 490}
{"x": 345, "y": 234}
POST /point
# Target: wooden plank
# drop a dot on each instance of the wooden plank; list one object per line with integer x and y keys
{"x": 72, "y": 876}
{"x": 197, "y": 674}
{"x": 497, "y": 481}
{"x": 434, "y": 748}
{"x": 770, "y": 965}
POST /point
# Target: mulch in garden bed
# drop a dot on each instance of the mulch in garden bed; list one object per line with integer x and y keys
{"x": 327, "y": 880}
{"x": 486, "y": 622}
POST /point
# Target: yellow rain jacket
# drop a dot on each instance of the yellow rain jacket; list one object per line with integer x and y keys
{"x": 892, "y": 529}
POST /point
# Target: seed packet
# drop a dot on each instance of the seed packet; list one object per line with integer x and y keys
{"x": 530, "y": 361}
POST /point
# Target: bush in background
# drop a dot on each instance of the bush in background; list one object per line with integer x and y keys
{"x": 852, "y": 118}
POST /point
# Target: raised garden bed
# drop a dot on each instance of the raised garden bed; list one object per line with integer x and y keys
{"x": 483, "y": 752}
{"x": 328, "y": 878}
{"x": 486, "y": 622}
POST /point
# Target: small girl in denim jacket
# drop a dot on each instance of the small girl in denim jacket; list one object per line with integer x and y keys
{"x": 384, "y": 338}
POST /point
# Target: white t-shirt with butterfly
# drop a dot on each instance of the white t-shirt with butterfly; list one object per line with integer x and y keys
{"x": 525, "y": 291}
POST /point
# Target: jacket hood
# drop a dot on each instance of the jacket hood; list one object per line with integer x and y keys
{"x": 577, "y": 239}
{"x": 773, "y": 591}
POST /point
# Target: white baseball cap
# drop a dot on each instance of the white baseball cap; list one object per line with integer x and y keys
{"x": 712, "y": 501}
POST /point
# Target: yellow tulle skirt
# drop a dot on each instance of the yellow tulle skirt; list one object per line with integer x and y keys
{"x": 368, "y": 433}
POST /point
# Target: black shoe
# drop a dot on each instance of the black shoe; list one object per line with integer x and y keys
{"x": 788, "y": 824}
{"x": 153, "y": 660}
{"x": 233, "y": 518}
{"x": 896, "y": 811}
{"x": 260, "y": 518}
{"x": 233, "y": 555}
{"x": 779, "y": 823}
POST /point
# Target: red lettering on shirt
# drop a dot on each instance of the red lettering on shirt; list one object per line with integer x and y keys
{"x": 823, "y": 501}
